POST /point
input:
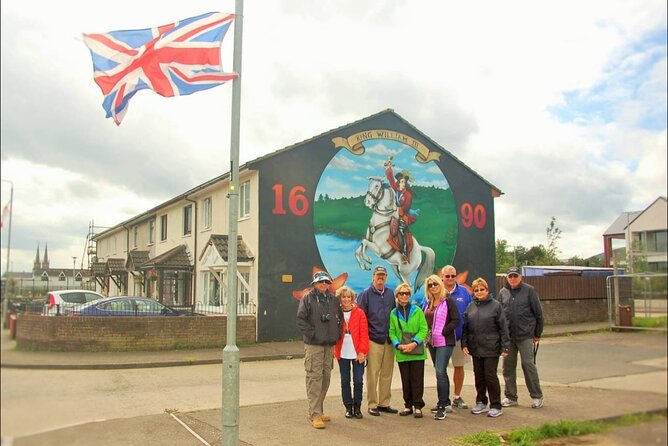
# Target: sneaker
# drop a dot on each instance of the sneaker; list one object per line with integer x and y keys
{"x": 448, "y": 409}
{"x": 494, "y": 413}
{"x": 459, "y": 403}
{"x": 434, "y": 409}
{"x": 507, "y": 402}
{"x": 479, "y": 408}
{"x": 440, "y": 414}
{"x": 537, "y": 403}
{"x": 318, "y": 423}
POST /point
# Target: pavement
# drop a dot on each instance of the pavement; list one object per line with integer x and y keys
{"x": 579, "y": 384}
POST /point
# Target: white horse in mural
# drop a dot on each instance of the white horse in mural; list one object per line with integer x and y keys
{"x": 380, "y": 199}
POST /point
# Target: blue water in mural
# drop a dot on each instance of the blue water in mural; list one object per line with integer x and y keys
{"x": 338, "y": 254}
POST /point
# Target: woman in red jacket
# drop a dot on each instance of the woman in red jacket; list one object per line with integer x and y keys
{"x": 351, "y": 351}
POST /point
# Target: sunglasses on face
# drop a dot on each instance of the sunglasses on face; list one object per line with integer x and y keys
{"x": 513, "y": 276}
{"x": 325, "y": 281}
{"x": 448, "y": 276}
{"x": 431, "y": 285}
{"x": 479, "y": 290}
{"x": 404, "y": 293}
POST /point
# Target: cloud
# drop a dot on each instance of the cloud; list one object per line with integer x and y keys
{"x": 570, "y": 124}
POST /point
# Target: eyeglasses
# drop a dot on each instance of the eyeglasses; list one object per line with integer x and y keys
{"x": 449, "y": 276}
{"x": 513, "y": 276}
{"x": 404, "y": 293}
{"x": 478, "y": 290}
{"x": 328, "y": 282}
{"x": 431, "y": 285}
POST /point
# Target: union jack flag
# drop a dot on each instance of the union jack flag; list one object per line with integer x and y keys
{"x": 172, "y": 60}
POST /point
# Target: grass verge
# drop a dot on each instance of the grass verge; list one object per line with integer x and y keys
{"x": 531, "y": 436}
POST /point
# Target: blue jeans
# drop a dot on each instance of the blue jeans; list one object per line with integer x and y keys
{"x": 440, "y": 357}
{"x": 358, "y": 381}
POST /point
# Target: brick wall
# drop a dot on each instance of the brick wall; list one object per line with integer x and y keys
{"x": 35, "y": 332}
{"x": 569, "y": 299}
{"x": 573, "y": 311}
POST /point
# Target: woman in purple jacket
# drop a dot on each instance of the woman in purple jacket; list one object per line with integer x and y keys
{"x": 442, "y": 318}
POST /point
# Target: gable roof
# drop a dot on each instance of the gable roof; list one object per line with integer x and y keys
{"x": 177, "y": 258}
{"x": 136, "y": 259}
{"x": 496, "y": 192}
{"x": 625, "y": 219}
{"x": 619, "y": 225}
{"x": 221, "y": 244}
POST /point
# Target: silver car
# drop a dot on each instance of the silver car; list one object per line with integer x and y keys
{"x": 64, "y": 301}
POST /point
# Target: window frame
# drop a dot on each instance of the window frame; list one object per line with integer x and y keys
{"x": 188, "y": 219}
{"x": 207, "y": 213}
{"x": 244, "y": 199}
{"x": 163, "y": 228}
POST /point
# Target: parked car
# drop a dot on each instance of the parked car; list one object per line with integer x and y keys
{"x": 126, "y": 306}
{"x": 64, "y": 301}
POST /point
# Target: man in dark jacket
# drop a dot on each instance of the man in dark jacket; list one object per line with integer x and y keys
{"x": 377, "y": 301}
{"x": 319, "y": 321}
{"x": 525, "y": 325}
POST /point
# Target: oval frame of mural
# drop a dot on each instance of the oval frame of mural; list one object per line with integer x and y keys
{"x": 364, "y": 216}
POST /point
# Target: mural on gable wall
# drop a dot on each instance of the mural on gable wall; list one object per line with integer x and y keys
{"x": 342, "y": 201}
{"x": 382, "y": 202}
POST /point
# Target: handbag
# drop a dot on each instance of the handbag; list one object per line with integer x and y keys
{"x": 407, "y": 338}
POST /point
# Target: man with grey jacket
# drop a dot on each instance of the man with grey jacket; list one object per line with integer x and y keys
{"x": 319, "y": 319}
{"x": 525, "y": 325}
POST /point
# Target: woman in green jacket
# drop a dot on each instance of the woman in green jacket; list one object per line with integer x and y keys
{"x": 410, "y": 353}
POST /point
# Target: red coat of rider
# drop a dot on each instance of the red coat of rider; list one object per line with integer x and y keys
{"x": 405, "y": 198}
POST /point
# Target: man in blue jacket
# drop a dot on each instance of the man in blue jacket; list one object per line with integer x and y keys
{"x": 377, "y": 302}
{"x": 525, "y": 325}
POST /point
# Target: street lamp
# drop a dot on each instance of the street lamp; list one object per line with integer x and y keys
{"x": 74, "y": 261}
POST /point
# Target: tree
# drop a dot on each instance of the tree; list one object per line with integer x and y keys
{"x": 504, "y": 257}
{"x": 553, "y": 235}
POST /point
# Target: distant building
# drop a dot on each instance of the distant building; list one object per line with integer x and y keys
{"x": 644, "y": 233}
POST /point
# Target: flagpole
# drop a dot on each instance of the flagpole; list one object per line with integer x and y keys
{"x": 9, "y": 229}
{"x": 230, "y": 403}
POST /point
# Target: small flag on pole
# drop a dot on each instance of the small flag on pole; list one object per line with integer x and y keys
{"x": 172, "y": 60}
{"x": 5, "y": 214}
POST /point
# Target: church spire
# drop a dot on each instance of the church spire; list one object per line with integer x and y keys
{"x": 36, "y": 265}
{"x": 45, "y": 263}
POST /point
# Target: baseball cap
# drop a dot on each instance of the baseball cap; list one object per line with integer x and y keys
{"x": 320, "y": 276}
{"x": 513, "y": 270}
{"x": 380, "y": 270}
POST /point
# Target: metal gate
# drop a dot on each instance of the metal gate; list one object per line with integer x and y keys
{"x": 637, "y": 301}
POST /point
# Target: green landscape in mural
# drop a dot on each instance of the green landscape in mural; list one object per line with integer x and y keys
{"x": 436, "y": 226}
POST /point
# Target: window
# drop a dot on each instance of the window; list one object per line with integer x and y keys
{"x": 135, "y": 236}
{"x": 244, "y": 199}
{"x": 188, "y": 219}
{"x": 206, "y": 213}
{"x": 211, "y": 290}
{"x": 652, "y": 241}
{"x": 61, "y": 277}
{"x": 151, "y": 231}
{"x": 163, "y": 228}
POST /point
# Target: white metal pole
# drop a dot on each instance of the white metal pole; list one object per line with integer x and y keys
{"x": 9, "y": 228}
{"x": 230, "y": 403}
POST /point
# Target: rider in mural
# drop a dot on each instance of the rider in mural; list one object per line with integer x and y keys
{"x": 401, "y": 237}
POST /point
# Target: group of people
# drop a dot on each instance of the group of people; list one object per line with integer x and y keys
{"x": 380, "y": 326}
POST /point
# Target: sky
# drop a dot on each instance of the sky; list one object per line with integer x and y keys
{"x": 559, "y": 104}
